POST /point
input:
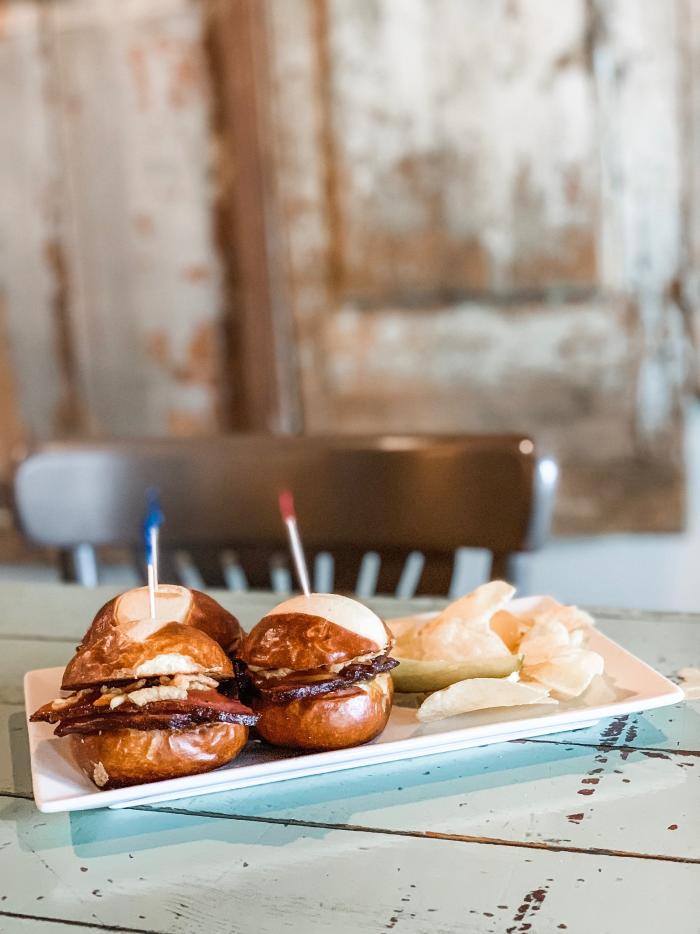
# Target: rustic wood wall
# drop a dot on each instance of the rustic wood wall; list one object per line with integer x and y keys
{"x": 358, "y": 215}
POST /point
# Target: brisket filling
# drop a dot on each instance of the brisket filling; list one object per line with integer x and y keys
{"x": 301, "y": 684}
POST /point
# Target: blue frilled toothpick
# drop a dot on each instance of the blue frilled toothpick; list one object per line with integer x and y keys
{"x": 151, "y": 530}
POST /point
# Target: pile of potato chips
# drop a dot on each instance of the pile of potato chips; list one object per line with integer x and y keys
{"x": 479, "y": 652}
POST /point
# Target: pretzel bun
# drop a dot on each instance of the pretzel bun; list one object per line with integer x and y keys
{"x": 348, "y": 717}
{"x": 119, "y": 758}
{"x": 191, "y": 634}
{"x": 313, "y": 631}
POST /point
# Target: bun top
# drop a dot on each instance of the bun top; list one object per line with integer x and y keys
{"x": 191, "y": 634}
{"x": 322, "y": 629}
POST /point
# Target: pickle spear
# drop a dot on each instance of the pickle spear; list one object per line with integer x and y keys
{"x": 414, "y": 675}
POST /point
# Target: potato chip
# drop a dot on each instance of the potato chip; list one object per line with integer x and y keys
{"x": 405, "y": 633}
{"x": 403, "y": 626}
{"x": 546, "y": 638}
{"x": 416, "y": 675}
{"x": 480, "y": 639}
{"x": 480, "y": 694}
{"x": 568, "y": 674}
{"x": 570, "y": 616}
{"x": 461, "y": 630}
{"x": 509, "y": 627}
{"x": 479, "y": 605}
{"x": 602, "y": 691}
{"x": 577, "y": 638}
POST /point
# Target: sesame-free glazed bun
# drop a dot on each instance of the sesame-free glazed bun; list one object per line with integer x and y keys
{"x": 191, "y": 634}
{"x": 348, "y": 717}
{"x": 118, "y": 758}
{"x": 309, "y": 632}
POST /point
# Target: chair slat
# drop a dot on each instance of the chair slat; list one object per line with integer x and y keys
{"x": 188, "y": 573}
{"x": 410, "y": 575}
{"x": 368, "y": 574}
{"x": 280, "y": 574}
{"x": 503, "y": 567}
{"x": 472, "y": 566}
{"x": 234, "y": 575}
{"x": 324, "y": 568}
{"x": 80, "y": 564}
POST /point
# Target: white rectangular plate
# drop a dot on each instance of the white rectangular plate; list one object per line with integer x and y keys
{"x": 629, "y": 686}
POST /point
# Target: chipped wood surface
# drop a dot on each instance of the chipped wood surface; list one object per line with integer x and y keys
{"x": 162, "y": 872}
{"x": 532, "y": 835}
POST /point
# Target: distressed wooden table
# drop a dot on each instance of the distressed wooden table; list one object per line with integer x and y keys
{"x": 592, "y": 831}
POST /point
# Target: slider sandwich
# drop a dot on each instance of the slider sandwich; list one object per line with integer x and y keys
{"x": 152, "y": 699}
{"x": 318, "y": 668}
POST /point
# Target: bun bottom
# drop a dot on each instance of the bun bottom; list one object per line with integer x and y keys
{"x": 328, "y": 721}
{"x": 119, "y": 758}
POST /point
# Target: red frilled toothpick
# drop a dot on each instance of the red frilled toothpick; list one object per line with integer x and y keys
{"x": 286, "y": 501}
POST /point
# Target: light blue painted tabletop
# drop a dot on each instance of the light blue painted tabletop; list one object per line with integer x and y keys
{"x": 587, "y": 832}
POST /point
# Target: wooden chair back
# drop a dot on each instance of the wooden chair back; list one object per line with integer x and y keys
{"x": 370, "y": 502}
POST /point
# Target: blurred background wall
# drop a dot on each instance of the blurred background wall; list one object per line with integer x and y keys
{"x": 358, "y": 215}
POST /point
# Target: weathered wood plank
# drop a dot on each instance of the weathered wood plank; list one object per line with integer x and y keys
{"x": 262, "y": 353}
{"x": 583, "y": 798}
{"x": 432, "y": 193}
{"x": 690, "y": 287}
{"x": 11, "y": 428}
{"x": 20, "y": 656}
{"x": 670, "y": 729}
{"x": 637, "y": 57}
{"x": 532, "y": 366}
{"x": 304, "y": 167}
{"x": 15, "y": 770}
{"x": 169, "y": 872}
{"x": 32, "y": 923}
{"x": 31, "y": 223}
{"x": 144, "y": 278}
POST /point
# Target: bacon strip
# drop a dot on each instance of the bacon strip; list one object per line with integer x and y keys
{"x": 298, "y": 685}
{"x": 199, "y": 707}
